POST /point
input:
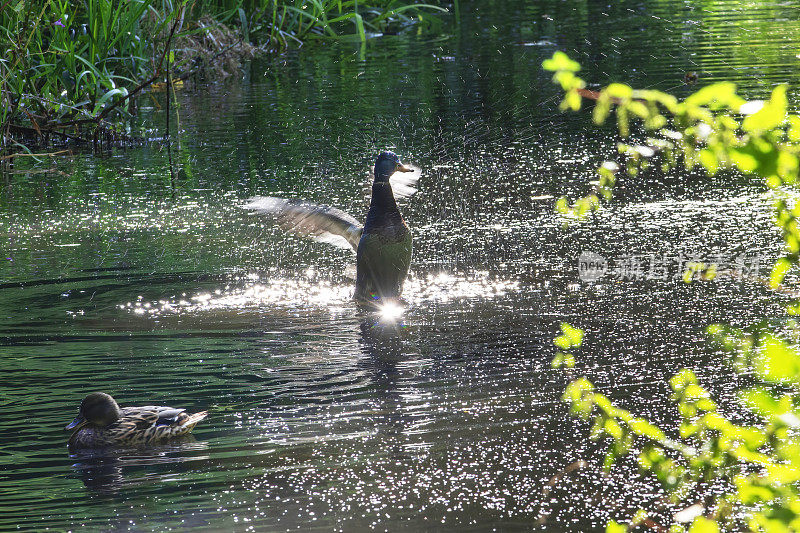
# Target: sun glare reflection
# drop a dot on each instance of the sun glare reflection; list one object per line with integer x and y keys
{"x": 311, "y": 292}
{"x": 391, "y": 311}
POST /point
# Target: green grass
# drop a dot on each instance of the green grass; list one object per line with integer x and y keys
{"x": 67, "y": 67}
{"x": 66, "y": 61}
{"x": 278, "y": 22}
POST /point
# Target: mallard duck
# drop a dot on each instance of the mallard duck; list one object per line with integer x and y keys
{"x": 101, "y": 422}
{"x": 382, "y": 244}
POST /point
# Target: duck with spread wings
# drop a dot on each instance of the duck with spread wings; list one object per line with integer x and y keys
{"x": 382, "y": 244}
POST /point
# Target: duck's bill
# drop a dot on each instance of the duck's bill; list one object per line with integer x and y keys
{"x": 79, "y": 422}
{"x": 402, "y": 168}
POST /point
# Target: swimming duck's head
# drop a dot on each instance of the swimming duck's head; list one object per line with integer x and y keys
{"x": 98, "y": 409}
{"x": 387, "y": 164}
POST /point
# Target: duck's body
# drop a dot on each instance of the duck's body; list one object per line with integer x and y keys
{"x": 382, "y": 245}
{"x": 103, "y": 423}
{"x": 383, "y": 255}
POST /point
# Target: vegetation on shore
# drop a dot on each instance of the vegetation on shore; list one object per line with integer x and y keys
{"x": 718, "y": 474}
{"x": 70, "y": 71}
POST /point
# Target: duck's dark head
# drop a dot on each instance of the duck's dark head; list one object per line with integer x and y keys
{"x": 387, "y": 164}
{"x": 98, "y": 409}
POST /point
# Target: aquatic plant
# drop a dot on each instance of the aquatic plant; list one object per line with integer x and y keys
{"x": 69, "y": 70}
{"x": 276, "y": 23}
{"x": 759, "y": 463}
{"x": 66, "y": 65}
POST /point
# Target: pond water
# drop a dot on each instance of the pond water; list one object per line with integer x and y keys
{"x": 139, "y": 277}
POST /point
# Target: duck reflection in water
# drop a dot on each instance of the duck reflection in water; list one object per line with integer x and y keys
{"x": 114, "y": 470}
{"x": 382, "y": 335}
{"x": 387, "y": 344}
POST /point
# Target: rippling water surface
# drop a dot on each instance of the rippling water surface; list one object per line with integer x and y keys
{"x": 120, "y": 275}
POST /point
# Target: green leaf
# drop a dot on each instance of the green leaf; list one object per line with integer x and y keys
{"x": 779, "y": 270}
{"x": 743, "y": 160}
{"x": 717, "y": 96}
{"x": 579, "y": 395}
{"x": 392, "y": 12}
{"x": 107, "y": 96}
{"x": 704, "y": 525}
{"x": 682, "y": 379}
{"x": 574, "y": 335}
{"x": 760, "y": 157}
{"x": 245, "y": 26}
{"x": 794, "y": 128}
{"x": 749, "y": 493}
{"x": 602, "y": 108}
{"x": 619, "y": 90}
{"x": 616, "y": 527}
{"x": 709, "y": 160}
{"x": 562, "y": 342}
{"x": 646, "y": 429}
{"x": 572, "y": 101}
{"x": 563, "y": 359}
{"x": 560, "y": 61}
{"x": 613, "y": 429}
{"x": 772, "y": 115}
{"x": 360, "y": 28}
{"x": 778, "y": 362}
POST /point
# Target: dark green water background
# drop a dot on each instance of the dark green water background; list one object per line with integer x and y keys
{"x": 117, "y": 276}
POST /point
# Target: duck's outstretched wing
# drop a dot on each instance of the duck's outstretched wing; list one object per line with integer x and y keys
{"x": 320, "y": 222}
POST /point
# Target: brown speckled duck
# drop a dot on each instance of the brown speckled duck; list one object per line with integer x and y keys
{"x": 101, "y": 422}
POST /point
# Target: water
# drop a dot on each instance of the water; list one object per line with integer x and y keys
{"x": 119, "y": 275}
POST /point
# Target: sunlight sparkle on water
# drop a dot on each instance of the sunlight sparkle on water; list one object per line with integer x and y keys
{"x": 391, "y": 311}
{"x": 311, "y": 292}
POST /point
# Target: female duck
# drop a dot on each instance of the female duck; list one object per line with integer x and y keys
{"x": 101, "y": 422}
{"x": 382, "y": 244}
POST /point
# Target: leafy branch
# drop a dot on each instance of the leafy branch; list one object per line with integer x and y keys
{"x": 714, "y": 129}
{"x": 759, "y": 464}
